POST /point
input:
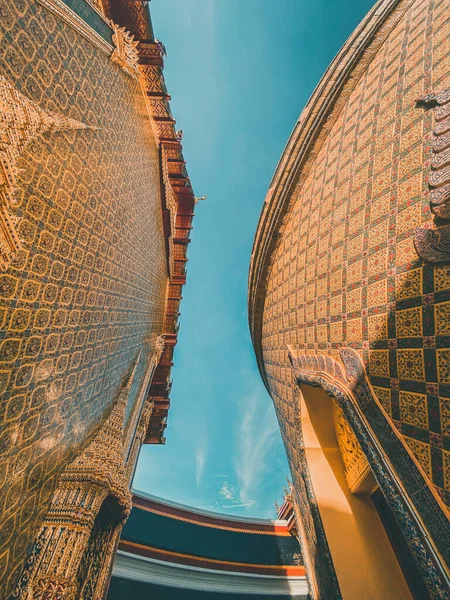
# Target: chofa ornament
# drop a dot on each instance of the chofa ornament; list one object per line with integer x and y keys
{"x": 125, "y": 53}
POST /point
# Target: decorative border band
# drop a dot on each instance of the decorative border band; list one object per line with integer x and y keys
{"x": 208, "y": 521}
{"x": 69, "y": 16}
{"x": 210, "y": 563}
{"x": 155, "y": 572}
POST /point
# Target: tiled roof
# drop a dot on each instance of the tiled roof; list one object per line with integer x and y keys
{"x": 157, "y": 527}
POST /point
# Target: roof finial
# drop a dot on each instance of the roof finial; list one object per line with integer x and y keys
{"x": 198, "y": 198}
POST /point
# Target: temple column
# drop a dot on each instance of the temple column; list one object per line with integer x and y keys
{"x": 51, "y": 572}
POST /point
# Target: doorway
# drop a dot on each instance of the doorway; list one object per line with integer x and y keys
{"x": 365, "y": 562}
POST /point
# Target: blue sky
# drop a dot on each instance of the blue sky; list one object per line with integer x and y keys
{"x": 239, "y": 72}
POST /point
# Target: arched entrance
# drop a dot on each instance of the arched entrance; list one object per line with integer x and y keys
{"x": 421, "y": 520}
{"x": 363, "y": 558}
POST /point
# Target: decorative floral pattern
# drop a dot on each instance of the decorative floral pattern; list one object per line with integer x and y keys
{"x": 379, "y": 363}
{"x": 409, "y": 284}
{"x": 409, "y": 322}
{"x": 411, "y": 365}
{"x": 368, "y": 168}
{"x": 414, "y": 409}
{"x": 442, "y": 318}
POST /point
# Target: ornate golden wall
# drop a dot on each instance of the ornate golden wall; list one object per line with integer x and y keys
{"x": 346, "y": 273}
{"x": 85, "y": 291}
{"x": 334, "y": 263}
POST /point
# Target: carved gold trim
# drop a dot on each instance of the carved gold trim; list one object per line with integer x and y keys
{"x": 139, "y": 438}
{"x": 140, "y": 403}
{"x": 356, "y": 466}
{"x": 433, "y": 243}
{"x": 172, "y": 206}
{"x": 99, "y": 7}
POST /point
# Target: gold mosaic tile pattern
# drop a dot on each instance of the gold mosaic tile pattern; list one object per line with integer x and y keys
{"x": 421, "y": 451}
{"x": 345, "y": 271}
{"x": 86, "y": 291}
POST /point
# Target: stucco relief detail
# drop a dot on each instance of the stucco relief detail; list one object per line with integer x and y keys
{"x": 356, "y": 467}
{"x": 433, "y": 244}
{"x": 125, "y": 53}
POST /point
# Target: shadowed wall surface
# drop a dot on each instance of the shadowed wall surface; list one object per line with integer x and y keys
{"x": 85, "y": 293}
{"x": 341, "y": 268}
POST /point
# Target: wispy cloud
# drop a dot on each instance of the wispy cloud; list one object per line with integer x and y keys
{"x": 200, "y": 461}
{"x": 226, "y": 492}
{"x": 257, "y": 434}
{"x": 239, "y": 505}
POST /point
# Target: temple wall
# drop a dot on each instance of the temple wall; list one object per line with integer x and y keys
{"x": 345, "y": 273}
{"x": 84, "y": 292}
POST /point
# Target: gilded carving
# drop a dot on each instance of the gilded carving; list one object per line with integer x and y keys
{"x": 21, "y": 120}
{"x": 172, "y": 206}
{"x": 100, "y": 6}
{"x": 139, "y": 438}
{"x": 160, "y": 344}
{"x": 356, "y": 466}
{"x": 125, "y": 53}
{"x": 433, "y": 244}
{"x": 141, "y": 405}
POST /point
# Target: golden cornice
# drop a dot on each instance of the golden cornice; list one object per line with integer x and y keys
{"x": 307, "y": 137}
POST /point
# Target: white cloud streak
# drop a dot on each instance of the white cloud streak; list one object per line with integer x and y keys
{"x": 257, "y": 433}
{"x": 200, "y": 461}
{"x": 239, "y": 505}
